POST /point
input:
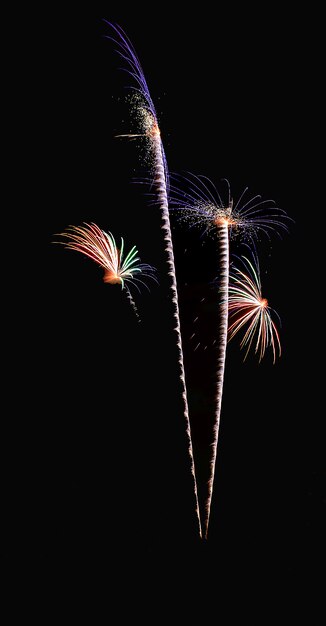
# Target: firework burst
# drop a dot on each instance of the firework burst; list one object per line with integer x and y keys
{"x": 201, "y": 205}
{"x": 101, "y": 247}
{"x": 249, "y": 311}
{"x": 142, "y": 105}
{"x": 149, "y": 128}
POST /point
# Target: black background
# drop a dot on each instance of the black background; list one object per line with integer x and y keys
{"x": 104, "y": 490}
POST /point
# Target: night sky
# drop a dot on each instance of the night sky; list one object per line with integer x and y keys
{"x": 106, "y": 487}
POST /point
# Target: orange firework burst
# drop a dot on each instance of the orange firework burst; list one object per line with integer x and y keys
{"x": 250, "y": 310}
{"x": 101, "y": 247}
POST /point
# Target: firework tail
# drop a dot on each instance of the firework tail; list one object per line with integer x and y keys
{"x": 223, "y": 250}
{"x": 161, "y": 182}
{"x": 132, "y": 302}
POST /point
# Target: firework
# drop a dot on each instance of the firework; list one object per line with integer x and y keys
{"x": 101, "y": 247}
{"x": 249, "y": 310}
{"x": 201, "y": 205}
{"x": 142, "y": 105}
{"x": 150, "y": 129}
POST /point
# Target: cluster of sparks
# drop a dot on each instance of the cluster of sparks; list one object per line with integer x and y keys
{"x": 241, "y": 306}
{"x": 143, "y": 119}
{"x": 202, "y": 205}
{"x": 148, "y": 130}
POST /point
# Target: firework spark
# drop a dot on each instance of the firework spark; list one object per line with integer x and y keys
{"x": 142, "y": 104}
{"x": 201, "y": 205}
{"x": 101, "y": 247}
{"x": 248, "y": 308}
{"x": 151, "y": 130}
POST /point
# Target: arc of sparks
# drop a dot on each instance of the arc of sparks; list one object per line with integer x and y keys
{"x": 101, "y": 247}
{"x": 248, "y": 308}
{"x": 161, "y": 184}
{"x": 201, "y": 205}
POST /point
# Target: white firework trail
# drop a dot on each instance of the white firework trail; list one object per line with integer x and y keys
{"x": 223, "y": 253}
{"x": 151, "y": 130}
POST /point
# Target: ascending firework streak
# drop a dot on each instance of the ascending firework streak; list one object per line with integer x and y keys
{"x": 248, "y": 308}
{"x": 201, "y": 205}
{"x": 146, "y": 116}
{"x": 101, "y": 247}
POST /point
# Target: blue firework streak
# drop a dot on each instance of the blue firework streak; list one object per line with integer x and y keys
{"x": 127, "y": 52}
